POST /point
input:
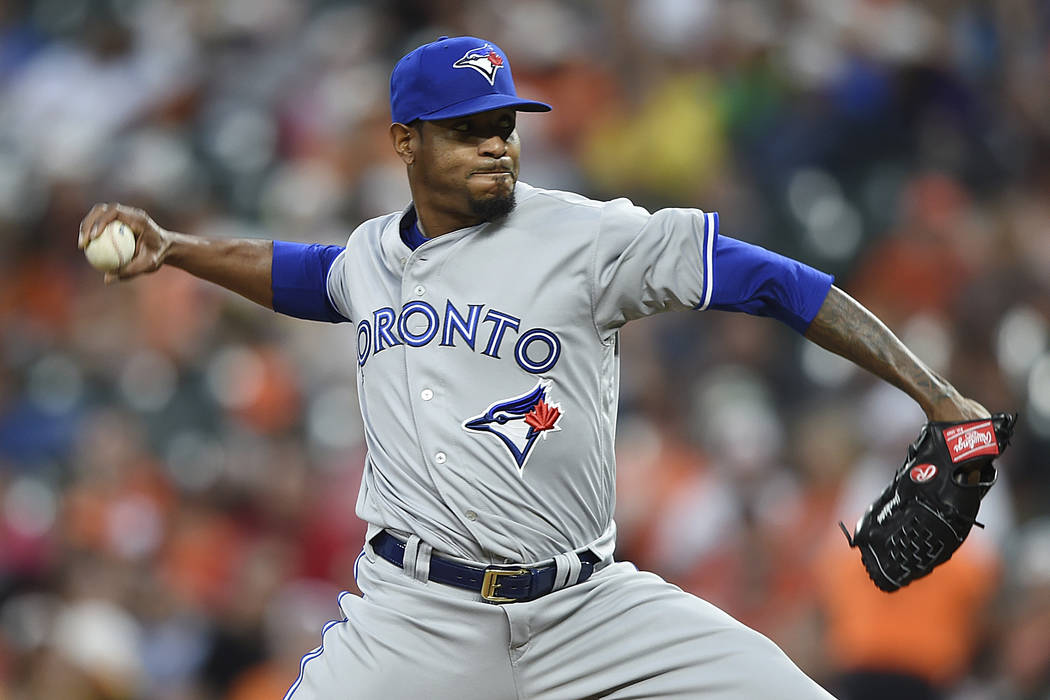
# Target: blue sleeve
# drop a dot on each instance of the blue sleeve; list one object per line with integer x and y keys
{"x": 756, "y": 281}
{"x": 299, "y": 275}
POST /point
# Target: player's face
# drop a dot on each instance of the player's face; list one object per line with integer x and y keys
{"x": 466, "y": 167}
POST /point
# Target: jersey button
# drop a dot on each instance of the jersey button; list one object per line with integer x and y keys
{"x": 439, "y": 458}
{"x": 420, "y": 290}
{"x": 471, "y": 515}
{"x": 426, "y": 394}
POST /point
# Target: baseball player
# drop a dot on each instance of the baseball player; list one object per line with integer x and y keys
{"x": 485, "y": 332}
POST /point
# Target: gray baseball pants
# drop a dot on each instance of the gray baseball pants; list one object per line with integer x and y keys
{"x": 621, "y": 634}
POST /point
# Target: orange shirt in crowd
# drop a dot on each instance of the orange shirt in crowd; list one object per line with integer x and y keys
{"x": 928, "y": 629}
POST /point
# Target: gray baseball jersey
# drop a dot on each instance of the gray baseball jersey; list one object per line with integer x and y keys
{"x": 488, "y": 380}
{"x": 488, "y": 371}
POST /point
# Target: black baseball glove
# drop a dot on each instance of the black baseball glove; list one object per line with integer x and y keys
{"x": 925, "y": 514}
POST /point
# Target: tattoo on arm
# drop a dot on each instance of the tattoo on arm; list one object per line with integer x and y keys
{"x": 846, "y": 328}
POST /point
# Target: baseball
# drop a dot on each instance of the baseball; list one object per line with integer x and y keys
{"x": 113, "y": 248}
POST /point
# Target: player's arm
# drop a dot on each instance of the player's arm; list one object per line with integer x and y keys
{"x": 287, "y": 277}
{"x": 240, "y": 265}
{"x": 846, "y": 328}
{"x": 757, "y": 281}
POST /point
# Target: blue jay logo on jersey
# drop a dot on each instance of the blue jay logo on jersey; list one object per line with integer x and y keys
{"x": 484, "y": 60}
{"x": 518, "y": 422}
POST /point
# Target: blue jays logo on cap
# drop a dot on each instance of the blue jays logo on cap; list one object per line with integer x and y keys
{"x": 430, "y": 82}
{"x": 484, "y": 60}
{"x": 519, "y": 421}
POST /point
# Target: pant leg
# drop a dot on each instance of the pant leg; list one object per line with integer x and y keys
{"x": 629, "y": 634}
{"x": 408, "y": 639}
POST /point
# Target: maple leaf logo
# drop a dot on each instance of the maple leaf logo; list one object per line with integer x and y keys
{"x": 495, "y": 59}
{"x": 543, "y": 416}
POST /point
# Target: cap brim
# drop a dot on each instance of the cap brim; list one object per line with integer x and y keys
{"x": 485, "y": 103}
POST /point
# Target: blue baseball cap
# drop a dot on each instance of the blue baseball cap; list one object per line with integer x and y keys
{"x": 453, "y": 78}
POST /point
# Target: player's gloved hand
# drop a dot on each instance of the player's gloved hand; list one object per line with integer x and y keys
{"x": 925, "y": 514}
{"x": 151, "y": 241}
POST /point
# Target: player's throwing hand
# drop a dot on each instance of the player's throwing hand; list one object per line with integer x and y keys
{"x": 152, "y": 241}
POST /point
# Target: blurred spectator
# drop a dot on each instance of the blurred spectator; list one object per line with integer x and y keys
{"x": 1023, "y": 630}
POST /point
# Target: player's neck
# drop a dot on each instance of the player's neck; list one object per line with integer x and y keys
{"x": 434, "y": 222}
{"x": 438, "y": 214}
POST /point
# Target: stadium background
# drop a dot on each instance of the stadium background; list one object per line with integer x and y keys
{"x": 178, "y": 468}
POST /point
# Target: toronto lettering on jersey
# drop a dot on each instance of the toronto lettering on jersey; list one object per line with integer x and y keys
{"x": 536, "y": 350}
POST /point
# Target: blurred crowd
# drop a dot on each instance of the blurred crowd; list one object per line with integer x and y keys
{"x": 179, "y": 468}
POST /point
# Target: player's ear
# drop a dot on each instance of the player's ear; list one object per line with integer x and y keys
{"x": 405, "y": 140}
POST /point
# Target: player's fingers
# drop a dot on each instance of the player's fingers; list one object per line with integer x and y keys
{"x": 89, "y": 227}
{"x": 134, "y": 217}
{"x": 119, "y": 212}
{"x": 101, "y": 215}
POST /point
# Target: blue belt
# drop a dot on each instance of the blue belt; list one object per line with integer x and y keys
{"x": 496, "y": 584}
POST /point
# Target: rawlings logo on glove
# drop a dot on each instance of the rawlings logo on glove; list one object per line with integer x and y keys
{"x": 925, "y": 514}
{"x": 971, "y": 440}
